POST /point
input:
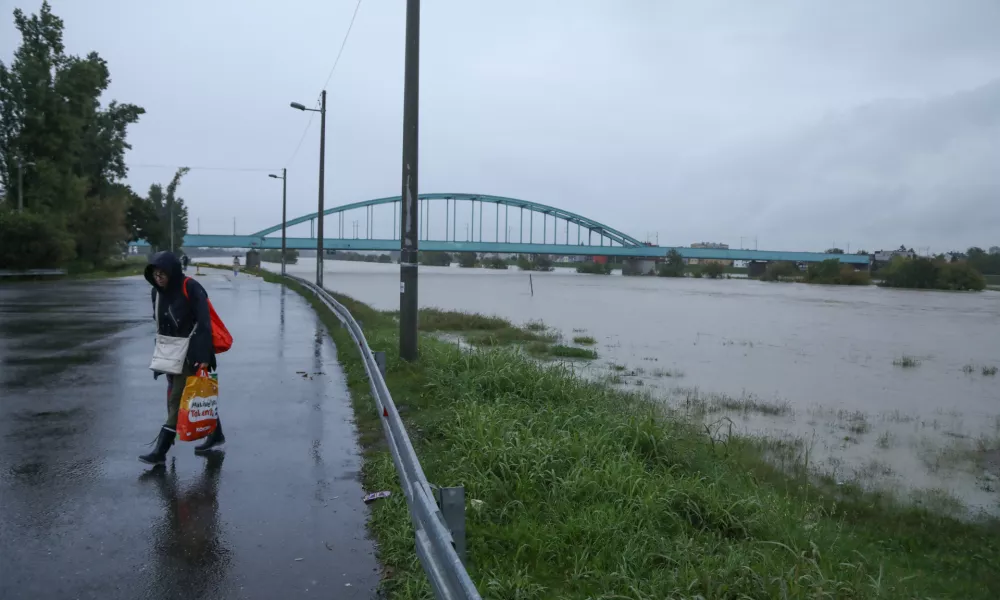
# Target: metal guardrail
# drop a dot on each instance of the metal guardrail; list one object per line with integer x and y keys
{"x": 32, "y": 273}
{"x": 438, "y": 514}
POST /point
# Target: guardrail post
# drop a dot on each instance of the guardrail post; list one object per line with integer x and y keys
{"x": 380, "y": 361}
{"x": 451, "y": 500}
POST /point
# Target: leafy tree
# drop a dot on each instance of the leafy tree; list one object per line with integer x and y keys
{"x": 467, "y": 259}
{"x": 149, "y": 218}
{"x": 834, "y": 251}
{"x": 31, "y": 241}
{"x": 832, "y": 272}
{"x": 673, "y": 266}
{"x": 713, "y": 270}
{"x": 777, "y": 271}
{"x": 73, "y": 150}
{"x": 435, "y": 259}
{"x": 594, "y": 268}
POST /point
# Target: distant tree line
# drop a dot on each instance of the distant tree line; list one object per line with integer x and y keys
{"x": 274, "y": 256}
{"x": 926, "y": 273}
{"x": 358, "y": 257}
{"x": 63, "y": 152}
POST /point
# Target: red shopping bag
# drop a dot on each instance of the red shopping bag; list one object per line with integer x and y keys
{"x": 198, "y": 415}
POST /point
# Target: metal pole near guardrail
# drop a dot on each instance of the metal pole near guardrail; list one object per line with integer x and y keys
{"x": 438, "y": 514}
{"x": 409, "y": 207}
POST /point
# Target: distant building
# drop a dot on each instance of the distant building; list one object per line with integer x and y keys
{"x": 884, "y": 256}
{"x": 715, "y": 245}
{"x": 994, "y": 250}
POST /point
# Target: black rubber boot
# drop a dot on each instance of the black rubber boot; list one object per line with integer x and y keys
{"x": 163, "y": 443}
{"x": 214, "y": 441}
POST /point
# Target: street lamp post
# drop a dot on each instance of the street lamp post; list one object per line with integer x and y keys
{"x": 322, "y": 162}
{"x": 284, "y": 212}
{"x": 20, "y": 183}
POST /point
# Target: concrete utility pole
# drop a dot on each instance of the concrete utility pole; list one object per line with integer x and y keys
{"x": 409, "y": 207}
{"x": 322, "y": 167}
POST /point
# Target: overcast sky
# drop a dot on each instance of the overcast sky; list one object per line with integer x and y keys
{"x": 802, "y": 124}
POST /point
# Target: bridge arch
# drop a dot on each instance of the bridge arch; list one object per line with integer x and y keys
{"x": 614, "y": 235}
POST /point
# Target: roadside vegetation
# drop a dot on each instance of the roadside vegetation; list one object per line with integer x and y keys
{"x": 832, "y": 272}
{"x": 583, "y": 491}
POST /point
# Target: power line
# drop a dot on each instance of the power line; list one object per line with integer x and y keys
{"x": 342, "y": 44}
{"x": 302, "y": 137}
{"x": 244, "y": 169}
{"x": 329, "y": 75}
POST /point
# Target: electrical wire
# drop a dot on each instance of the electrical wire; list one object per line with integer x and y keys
{"x": 244, "y": 169}
{"x": 342, "y": 44}
{"x": 329, "y": 76}
{"x": 302, "y": 137}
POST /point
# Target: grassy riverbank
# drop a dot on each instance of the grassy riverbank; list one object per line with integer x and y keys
{"x": 588, "y": 492}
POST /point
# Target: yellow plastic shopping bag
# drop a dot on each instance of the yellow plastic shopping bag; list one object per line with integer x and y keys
{"x": 198, "y": 415}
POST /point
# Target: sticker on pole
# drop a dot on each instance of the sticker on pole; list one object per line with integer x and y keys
{"x": 402, "y": 287}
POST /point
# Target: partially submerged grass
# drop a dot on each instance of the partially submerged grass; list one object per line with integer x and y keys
{"x": 989, "y": 371}
{"x": 433, "y": 319}
{"x": 667, "y": 373}
{"x": 588, "y": 492}
{"x": 749, "y": 403}
{"x": 699, "y": 403}
{"x": 584, "y": 340}
{"x": 540, "y": 350}
{"x": 535, "y": 326}
{"x": 906, "y": 361}
{"x": 969, "y": 369}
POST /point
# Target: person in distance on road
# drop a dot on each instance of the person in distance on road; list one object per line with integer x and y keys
{"x": 180, "y": 316}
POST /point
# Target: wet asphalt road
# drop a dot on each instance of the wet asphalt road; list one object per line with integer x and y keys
{"x": 277, "y": 515}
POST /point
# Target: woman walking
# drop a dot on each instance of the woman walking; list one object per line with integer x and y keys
{"x": 180, "y": 307}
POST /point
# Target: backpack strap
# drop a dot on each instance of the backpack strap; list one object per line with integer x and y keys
{"x": 185, "y": 287}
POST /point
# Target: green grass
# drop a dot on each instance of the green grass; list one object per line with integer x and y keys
{"x": 906, "y": 361}
{"x": 571, "y": 352}
{"x": 584, "y": 340}
{"x": 588, "y": 492}
{"x": 432, "y": 319}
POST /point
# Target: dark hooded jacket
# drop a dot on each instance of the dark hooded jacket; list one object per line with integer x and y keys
{"x": 179, "y": 314}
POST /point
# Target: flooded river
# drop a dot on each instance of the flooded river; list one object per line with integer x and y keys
{"x": 789, "y": 361}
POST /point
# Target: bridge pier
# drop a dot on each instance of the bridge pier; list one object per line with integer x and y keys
{"x": 756, "y": 268}
{"x": 639, "y": 266}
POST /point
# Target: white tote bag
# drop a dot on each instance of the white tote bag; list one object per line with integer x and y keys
{"x": 169, "y": 352}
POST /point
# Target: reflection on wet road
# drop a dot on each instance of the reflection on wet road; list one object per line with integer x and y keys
{"x": 279, "y": 515}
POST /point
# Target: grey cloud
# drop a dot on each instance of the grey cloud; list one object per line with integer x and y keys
{"x": 700, "y": 119}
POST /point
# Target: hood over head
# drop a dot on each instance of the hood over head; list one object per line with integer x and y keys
{"x": 168, "y": 262}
